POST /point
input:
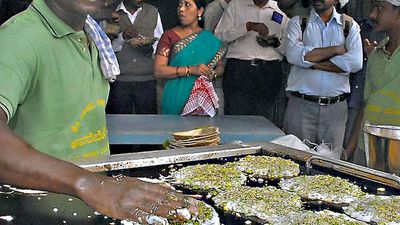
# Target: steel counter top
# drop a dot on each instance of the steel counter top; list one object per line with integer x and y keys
{"x": 155, "y": 129}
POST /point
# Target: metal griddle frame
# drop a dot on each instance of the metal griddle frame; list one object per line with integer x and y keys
{"x": 174, "y": 156}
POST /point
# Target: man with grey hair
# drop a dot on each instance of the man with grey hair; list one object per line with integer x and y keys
{"x": 382, "y": 93}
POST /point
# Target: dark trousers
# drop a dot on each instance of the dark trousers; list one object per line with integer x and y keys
{"x": 132, "y": 98}
{"x": 252, "y": 87}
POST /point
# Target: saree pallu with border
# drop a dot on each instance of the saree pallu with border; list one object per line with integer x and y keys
{"x": 193, "y": 95}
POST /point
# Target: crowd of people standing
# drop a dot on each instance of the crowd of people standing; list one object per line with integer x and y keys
{"x": 243, "y": 73}
{"x": 58, "y": 65}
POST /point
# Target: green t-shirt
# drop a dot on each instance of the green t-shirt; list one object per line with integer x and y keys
{"x": 382, "y": 89}
{"x": 52, "y": 88}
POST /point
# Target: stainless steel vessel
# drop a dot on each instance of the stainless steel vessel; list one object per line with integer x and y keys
{"x": 382, "y": 147}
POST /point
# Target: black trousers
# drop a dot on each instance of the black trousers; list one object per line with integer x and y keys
{"x": 252, "y": 87}
{"x": 132, "y": 98}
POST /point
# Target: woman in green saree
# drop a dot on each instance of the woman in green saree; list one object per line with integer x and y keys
{"x": 189, "y": 58}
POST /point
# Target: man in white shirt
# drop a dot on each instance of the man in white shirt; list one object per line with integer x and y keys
{"x": 135, "y": 89}
{"x": 253, "y": 74}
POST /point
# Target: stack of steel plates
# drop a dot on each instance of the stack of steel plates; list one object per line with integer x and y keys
{"x": 206, "y": 136}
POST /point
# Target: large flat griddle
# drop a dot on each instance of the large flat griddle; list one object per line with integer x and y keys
{"x": 30, "y": 210}
{"x": 184, "y": 155}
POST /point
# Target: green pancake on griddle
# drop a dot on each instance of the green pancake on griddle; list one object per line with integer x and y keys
{"x": 211, "y": 178}
{"x": 206, "y": 216}
{"x": 324, "y": 217}
{"x": 376, "y": 209}
{"x": 267, "y": 204}
{"x": 266, "y": 167}
{"x": 323, "y": 188}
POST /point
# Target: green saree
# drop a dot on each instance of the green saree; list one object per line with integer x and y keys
{"x": 196, "y": 49}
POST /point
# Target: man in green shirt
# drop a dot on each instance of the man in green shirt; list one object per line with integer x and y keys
{"x": 382, "y": 86}
{"x": 58, "y": 108}
{"x": 52, "y": 107}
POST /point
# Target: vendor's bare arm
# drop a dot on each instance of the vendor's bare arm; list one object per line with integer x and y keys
{"x": 23, "y": 166}
{"x": 128, "y": 198}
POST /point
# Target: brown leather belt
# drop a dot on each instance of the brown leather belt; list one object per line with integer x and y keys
{"x": 320, "y": 99}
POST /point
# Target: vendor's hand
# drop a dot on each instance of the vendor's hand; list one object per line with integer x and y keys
{"x": 132, "y": 199}
{"x": 129, "y": 33}
{"x": 260, "y": 28}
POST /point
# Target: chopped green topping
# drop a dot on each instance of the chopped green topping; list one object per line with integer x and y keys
{"x": 324, "y": 188}
{"x": 268, "y": 167}
{"x": 325, "y": 217}
{"x": 265, "y": 203}
{"x": 378, "y": 209}
{"x": 206, "y": 213}
{"x": 209, "y": 177}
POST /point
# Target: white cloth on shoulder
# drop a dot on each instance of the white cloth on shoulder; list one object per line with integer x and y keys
{"x": 108, "y": 61}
